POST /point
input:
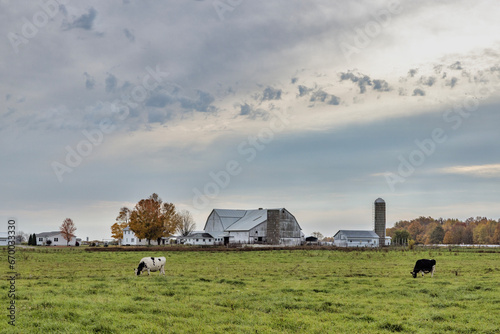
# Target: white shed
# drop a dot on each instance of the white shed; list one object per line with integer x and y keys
{"x": 356, "y": 238}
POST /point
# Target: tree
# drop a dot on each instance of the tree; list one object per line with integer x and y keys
{"x": 34, "y": 240}
{"x": 121, "y": 222}
{"x": 437, "y": 235}
{"x": 187, "y": 224}
{"x": 67, "y": 230}
{"x": 152, "y": 219}
{"x": 317, "y": 235}
{"x": 401, "y": 237}
{"x": 30, "y": 240}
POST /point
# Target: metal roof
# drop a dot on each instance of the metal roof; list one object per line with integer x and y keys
{"x": 379, "y": 200}
{"x": 251, "y": 219}
{"x": 358, "y": 234}
{"x": 47, "y": 234}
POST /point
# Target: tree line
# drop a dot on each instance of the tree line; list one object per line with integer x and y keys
{"x": 427, "y": 230}
{"x": 153, "y": 219}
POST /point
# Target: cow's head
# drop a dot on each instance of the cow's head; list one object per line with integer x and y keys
{"x": 137, "y": 272}
{"x": 414, "y": 274}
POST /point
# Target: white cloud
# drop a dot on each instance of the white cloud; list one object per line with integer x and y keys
{"x": 483, "y": 171}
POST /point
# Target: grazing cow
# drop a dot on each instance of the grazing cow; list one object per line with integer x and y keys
{"x": 151, "y": 264}
{"x": 424, "y": 266}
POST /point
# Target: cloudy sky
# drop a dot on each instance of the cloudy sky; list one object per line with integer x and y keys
{"x": 319, "y": 107}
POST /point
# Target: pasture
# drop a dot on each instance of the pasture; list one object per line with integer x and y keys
{"x": 280, "y": 291}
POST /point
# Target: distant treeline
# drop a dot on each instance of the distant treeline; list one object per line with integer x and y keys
{"x": 427, "y": 230}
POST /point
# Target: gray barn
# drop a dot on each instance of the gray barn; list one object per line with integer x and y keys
{"x": 262, "y": 226}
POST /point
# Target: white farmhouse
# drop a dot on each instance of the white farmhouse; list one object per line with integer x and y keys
{"x": 264, "y": 226}
{"x": 56, "y": 239}
{"x": 356, "y": 238}
{"x": 130, "y": 239}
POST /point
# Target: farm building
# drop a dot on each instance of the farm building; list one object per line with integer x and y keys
{"x": 130, "y": 239}
{"x": 356, "y": 238}
{"x": 56, "y": 239}
{"x": 262, "y": 226}
{"x": 197, "y": 238}
{"x": 4, "y": 239}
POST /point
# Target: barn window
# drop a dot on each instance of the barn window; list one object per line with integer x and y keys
{"x": 56, "y": 239}
{"x": 196, "y": 240}
{"x": 203, "y": 240}
{"x": 210, "y": 240}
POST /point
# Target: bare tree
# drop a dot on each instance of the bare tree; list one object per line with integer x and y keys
{"x": 187, "y": 224}
{"x": 67, "y": 230}
{"x": 318, "y": 235}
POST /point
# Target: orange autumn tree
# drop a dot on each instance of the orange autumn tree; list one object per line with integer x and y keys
{"x": 67, "y": 230}
{"x": 121, "y": 222}
{"x": 151, "y": 219}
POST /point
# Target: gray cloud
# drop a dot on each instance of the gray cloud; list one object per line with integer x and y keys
{"x": 381, "y": 86}
{"x": 159, "y": 100}
{"x": 271, "y": 94}
{"x": 89, "y": 81}
{"x": 456, "y": 66}
{"x": 452, "y": 82}
{"x": 428, "y": 81}
{"x": 362, "y": 80}
{"x": 303, "y": 90}
{"x": 85, "y": 21}
{"x": 202, "y": 103}
{"x": 322, "y": 96}
{"x": 129, "y": 35}
{"x": 412, "y": 72}
{"x": 111, "y": 83}
{"x": 418, "y": 92}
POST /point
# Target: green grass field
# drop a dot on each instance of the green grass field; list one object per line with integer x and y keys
{"x": 282, "y": 291}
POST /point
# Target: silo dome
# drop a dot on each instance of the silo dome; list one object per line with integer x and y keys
{"x": 379, "y": 200}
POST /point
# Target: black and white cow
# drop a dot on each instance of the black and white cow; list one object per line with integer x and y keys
{"x": 424, "y": 266}
{"x": 151, "y": 264}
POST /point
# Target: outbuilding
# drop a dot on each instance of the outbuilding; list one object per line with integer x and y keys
{"x": 356, "y": 238}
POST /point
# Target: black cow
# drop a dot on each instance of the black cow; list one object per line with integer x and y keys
{"x": 424, "y": 266}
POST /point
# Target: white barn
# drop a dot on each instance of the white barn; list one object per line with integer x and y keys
{"x": 262, "y": 226}
{"x": 56, "y": 239}
{"x": 130, "y": 239}
{"x": 356, "y": 238}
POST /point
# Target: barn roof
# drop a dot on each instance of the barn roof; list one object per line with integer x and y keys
{"x": 47, "y": 234}
{"x": 242, "y": 220}
{"x": 198, "y": 235}
{"x": 358, "y": 233}
{"x": 251, "y": 219}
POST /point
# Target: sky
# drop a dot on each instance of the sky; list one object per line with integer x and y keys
{"x": 320, "y": 107}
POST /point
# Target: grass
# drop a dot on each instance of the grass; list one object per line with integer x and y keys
{"x": 283, "y": 291}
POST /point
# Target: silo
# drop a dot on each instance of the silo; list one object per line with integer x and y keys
{"x": 379, "y": 209}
